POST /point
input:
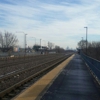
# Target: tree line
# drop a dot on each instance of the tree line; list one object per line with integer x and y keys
{"x": 9, "y": 40}
{"x": 93, "y": 48}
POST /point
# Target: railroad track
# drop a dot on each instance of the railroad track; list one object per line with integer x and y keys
{"x": 16, "y": 60}
{"x": 20, "y": 65}
{"x": 12, "y": 81}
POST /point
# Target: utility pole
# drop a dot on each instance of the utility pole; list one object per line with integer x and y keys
{"x": 40, "y": 43}
{"x": 25, "y": 44}
{"x": 23, "y": 39}
{"x": 2, "y": 41}
{"x": 6, "y": 39}
{"x": 86, "y": 38}
{"x": 82, "y": 44}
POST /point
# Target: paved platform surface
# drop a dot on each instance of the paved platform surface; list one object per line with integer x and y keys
{"x": 35, "y": 91}
{"x": 74, "y": 83}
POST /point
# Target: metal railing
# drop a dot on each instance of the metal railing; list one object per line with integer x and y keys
{"x": 93, "y": 64}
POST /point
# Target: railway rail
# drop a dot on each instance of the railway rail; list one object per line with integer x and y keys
{"x": 12, "y": 67}
{"x": 11, "y": 81}
{"x": 16, "y": 60}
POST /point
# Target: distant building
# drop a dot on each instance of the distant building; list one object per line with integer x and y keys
{"x": 16, "y": 49}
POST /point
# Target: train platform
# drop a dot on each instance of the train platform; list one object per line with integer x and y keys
{"x": 71, "y": 80}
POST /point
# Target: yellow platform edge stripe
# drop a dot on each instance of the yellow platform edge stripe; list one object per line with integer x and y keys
{"x": 35, "y": 91}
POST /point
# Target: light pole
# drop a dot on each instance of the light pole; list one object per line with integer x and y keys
{"x": 24, "y": 39}
{"x": 86, "y": 38}
{"x": 40, "y": 43}
{"x": 6, "y": 39}
{"x": 82, "y": 43}
{"x": 25, "y": 44}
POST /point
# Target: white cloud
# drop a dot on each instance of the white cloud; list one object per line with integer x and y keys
{"x": 65, "y": 20}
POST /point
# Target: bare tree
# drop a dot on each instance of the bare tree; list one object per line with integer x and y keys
{"x": 58, "y": 49}
{"x": 1, "y": 40}
{"x": 82, "y": 44}
{"x": 93, "y": 48}
{"x": 50, "y": 45}
{"x": 7, "y": 40}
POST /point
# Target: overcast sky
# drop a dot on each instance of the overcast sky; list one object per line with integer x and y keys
{"x": 61, "y": 22}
